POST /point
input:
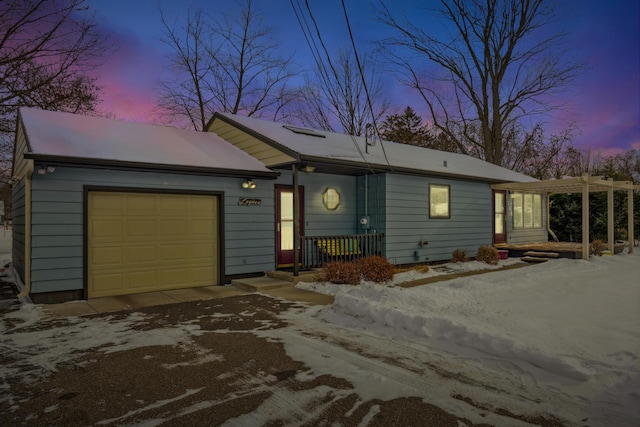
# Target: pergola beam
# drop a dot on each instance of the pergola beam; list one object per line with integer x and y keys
{"x": 584, "y": 184}
{"x": 568, "y": 185}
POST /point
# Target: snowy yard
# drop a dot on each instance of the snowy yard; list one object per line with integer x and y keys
{"x": 568, "y": 326}
{"x": 550, "y": 344}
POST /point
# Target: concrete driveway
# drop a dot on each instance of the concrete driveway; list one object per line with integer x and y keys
{"x": 210, "y": 362}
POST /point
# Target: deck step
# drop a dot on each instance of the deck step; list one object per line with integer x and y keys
{"x": 534, "y": 260}
{"x": 257, "y": 284}
{"x": 537, "y": 254}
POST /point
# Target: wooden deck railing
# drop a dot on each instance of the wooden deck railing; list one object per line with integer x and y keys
{"x": 319, "y": 250}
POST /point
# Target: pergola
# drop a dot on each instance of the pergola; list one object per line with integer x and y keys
{"x": 584, "y": 184}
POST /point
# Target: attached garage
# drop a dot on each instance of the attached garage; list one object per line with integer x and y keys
{"x": 106, "y": 208}
{"x": 142, "y": 242}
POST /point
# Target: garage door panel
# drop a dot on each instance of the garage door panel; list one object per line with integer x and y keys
{"x": 202, "y": 229}
{"x": 174, "y": 227}
{"x": 175, "y": 276}
{"x": 141, "y": 204}
{"x": 207, "y": 206}
{"x": 107, "y": 284}
{"x": 144, "y": 242}
{"x": 174, "y": 206}
{"x": 202, "y": 250}
{"x": 174, "y": 253}
{"x": 141, "y": 253}
{"x": 202, "y": 275}
{"x": 111, "y": 204}
{"x": 142, "y": 228}
{"x": 106, "y": 256}
{"x": 101, "y": 228}
{"x": 142, "y": 280}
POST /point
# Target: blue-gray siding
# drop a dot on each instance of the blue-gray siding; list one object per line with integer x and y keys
{"x": 18, "y": 225}
{"x": 57, "y": 221}
{"x": 408, "y": 222}
{"x": 374, "y": 204}
{"x": 319, "y": 220}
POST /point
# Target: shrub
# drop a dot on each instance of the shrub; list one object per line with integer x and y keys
{"x": 376, "y": 269}
{"x": 459, "y": 255}
{"x": 340, "y": 272}
{"x": 597, "y": 246}
{"x": 488, "y": 254}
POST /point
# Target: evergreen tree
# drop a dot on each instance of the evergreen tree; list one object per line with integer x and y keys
{"x": 406, "y": 128}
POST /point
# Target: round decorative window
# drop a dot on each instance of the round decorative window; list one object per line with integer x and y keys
{"x": 331, "y": 199}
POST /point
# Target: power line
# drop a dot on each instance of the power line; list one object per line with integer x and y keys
{"x": 364, "y": 83}
{"x": 324, "y": 74}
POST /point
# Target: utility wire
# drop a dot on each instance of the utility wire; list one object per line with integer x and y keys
{"x": 317, "y": 55}
{"x": 364, "y": 83}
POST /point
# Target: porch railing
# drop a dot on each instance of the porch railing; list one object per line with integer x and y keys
{"x": 319, "y": 250}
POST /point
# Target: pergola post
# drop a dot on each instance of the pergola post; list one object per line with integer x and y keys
{"x": 630, "y": 231}
{"x": 296, "y": 221}
{"x": 610, "y": 217}
{"x": 585, "y": 216}
{"x": 584, "y": 184}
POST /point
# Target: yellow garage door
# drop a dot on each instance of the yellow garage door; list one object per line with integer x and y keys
{"x": 142, "y": 242}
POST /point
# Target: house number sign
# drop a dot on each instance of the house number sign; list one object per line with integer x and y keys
{"x": 244, "y": 201}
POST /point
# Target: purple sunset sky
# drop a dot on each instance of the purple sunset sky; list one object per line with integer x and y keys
{"x": 604, "y": 101}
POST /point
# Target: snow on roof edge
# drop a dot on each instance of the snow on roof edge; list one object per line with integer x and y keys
{"x": 99, "y": 140}
{"x": 335, "y": 147}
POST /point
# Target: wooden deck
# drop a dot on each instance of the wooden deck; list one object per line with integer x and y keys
{"x": 571, "y": 250}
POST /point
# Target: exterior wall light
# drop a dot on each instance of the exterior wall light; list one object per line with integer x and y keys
{"x": 43, "y": 170}
{"x": 249, "y": 184}
{"x": 308, "y": 169}
{"x": 331, "y": 199}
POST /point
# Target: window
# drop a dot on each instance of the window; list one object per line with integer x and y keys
{"x": 438, "y": 201}
{"x": 527, "y": 210}
{"x": 331, "y": 199}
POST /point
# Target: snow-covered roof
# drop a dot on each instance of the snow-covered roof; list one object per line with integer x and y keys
{"x": 330, "y": 146}
{"x": 66, "y": 136}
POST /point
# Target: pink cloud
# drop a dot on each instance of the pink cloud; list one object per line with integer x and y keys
{"x": 130, "y": 77}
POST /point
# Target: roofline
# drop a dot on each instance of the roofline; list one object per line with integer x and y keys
{"x": 149, "y": 167}
{"x": 387, "y": 168}
{"x": 364, "y": 165}
{"x": 255, "y": 134}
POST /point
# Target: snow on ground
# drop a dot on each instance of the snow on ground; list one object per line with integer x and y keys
{"x": 563, "y": 336}
{"x": 569, "y": 325}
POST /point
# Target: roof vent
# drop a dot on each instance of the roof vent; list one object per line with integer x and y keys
{"x": 303, "y": 131}
{"x": 444, "y": 163}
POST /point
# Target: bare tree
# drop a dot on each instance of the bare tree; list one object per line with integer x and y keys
{"x": 335, "y": 98}
{"x": 228, "y": 63}
{"x": 536, "y": 154}
{"x": 47, "y": 50}
{"x": 496, "y": 70}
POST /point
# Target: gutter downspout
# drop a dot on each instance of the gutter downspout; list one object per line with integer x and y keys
{"x": 27, "y": 232}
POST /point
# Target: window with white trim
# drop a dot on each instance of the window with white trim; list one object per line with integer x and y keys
{"x": 439, "y": 201}
{"x": 527, "y": 210}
